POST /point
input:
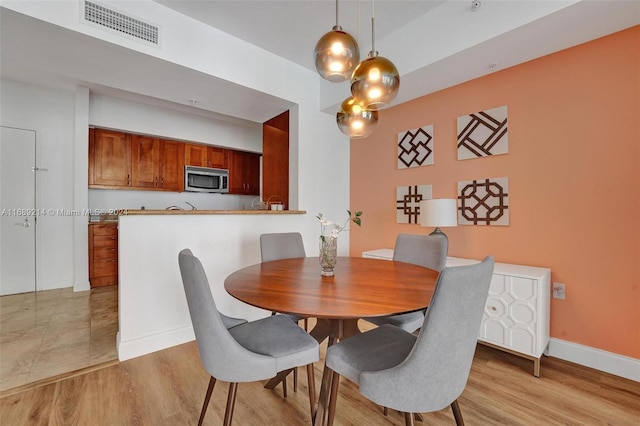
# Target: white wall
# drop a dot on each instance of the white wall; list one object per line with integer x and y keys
{"x": 153, "y": 308}
{"x": 51, "y": 114}
{"x": 138, "y": 118}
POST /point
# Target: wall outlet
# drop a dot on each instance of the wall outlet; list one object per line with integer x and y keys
{"x": 558, "y": 291}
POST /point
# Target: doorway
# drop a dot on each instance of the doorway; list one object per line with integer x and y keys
{"x": 18, "y": 211}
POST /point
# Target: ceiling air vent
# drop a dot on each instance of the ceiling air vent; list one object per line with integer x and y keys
{"x": 121, "y": 23}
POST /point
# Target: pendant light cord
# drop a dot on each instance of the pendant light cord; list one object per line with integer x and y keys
{"x": 373, "y": 26}
{"x": 337, "y": 24}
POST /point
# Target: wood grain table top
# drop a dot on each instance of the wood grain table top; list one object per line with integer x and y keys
{"x": 361, "y": 287}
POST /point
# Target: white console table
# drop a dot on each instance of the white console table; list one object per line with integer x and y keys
{"x": 516, "y": 317}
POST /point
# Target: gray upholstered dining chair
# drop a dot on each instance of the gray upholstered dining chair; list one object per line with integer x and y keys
{"x": 284, "y": 245}
{"x": 236, "y": 351}
{"x": 424, "y": 373}
{"x": 429, "y": 251}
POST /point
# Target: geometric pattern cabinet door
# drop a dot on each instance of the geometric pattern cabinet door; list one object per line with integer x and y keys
{"x": 516, "y": 316}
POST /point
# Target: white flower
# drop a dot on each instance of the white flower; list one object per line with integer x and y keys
{"x": 337, "y": 228}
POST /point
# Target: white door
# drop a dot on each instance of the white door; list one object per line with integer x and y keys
{"x": 17, "y": 209}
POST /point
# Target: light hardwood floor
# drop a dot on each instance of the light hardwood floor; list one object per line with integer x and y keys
{"x": 167, "y": 388}
{"x": 47, "y": 333}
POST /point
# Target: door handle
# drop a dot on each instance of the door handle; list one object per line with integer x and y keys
{"x": 23, "y": 224}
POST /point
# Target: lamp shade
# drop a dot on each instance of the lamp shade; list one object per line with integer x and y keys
{"x": 354, "y": 120}
{"x": 375, "y": 82}
{"x": 438, "y": 212}
{"x": 337, "y": 54}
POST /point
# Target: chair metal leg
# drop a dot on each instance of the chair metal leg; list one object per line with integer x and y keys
{"x": 312, "y": 388}
{"x": 231, "y": 402}
{"x": 207, "y": 397}
{"x": 333, "y": 399}
{"x": 295, "y": 380}
{"x": 408, "y": 419}
{"x": 457, "y": 414}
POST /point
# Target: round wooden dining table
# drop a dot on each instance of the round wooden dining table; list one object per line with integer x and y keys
{"x": 361, "y": 287}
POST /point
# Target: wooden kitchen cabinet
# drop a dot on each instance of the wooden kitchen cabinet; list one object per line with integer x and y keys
{"x": 109, "y": 159}
{"x": 145, "y": 162}
{"x": 120, "y": 160}
{"x": 195, "y": 155}
{"x": 103, "y": 254}
{"x": 275, "y": 159}
{"x": 244, "y": 173}
{"x": 171, "y": 165}
{"x": 205, "y": 156}
{"x": 218, "y": 158}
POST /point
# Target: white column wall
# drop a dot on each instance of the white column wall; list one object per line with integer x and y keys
{"x": 80, "y": 190}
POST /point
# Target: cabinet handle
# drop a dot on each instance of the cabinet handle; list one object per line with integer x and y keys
{"x": 156, "y": 182}
{"x": 128, "y": 180}
{"x": 162, "y": 181}
{"x": 113, "y": 260}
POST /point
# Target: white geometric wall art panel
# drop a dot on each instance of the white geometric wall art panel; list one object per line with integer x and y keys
{"x": 408, "y": 202}
{"x": 415, "y": 147}
{"x": 483, "y": 133}
{"x": 483, "y": 202}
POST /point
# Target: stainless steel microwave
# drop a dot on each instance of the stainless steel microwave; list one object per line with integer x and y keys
{"x": 204, "y": 179}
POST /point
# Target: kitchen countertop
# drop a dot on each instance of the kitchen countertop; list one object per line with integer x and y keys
{"x": 147, "y": 212}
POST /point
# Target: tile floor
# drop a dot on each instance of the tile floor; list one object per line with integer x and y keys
{"x": 51, "y": 332}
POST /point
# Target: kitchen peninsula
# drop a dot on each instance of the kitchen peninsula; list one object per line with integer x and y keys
{"x": 152, "y": 305}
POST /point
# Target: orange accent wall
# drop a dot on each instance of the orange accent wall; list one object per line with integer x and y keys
{"x": 574, "y": 181}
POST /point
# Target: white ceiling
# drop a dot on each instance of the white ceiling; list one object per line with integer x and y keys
{"x": 434, "y": 44}
{"x": 290, "y": 28}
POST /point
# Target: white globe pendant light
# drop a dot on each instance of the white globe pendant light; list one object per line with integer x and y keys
{"x": 336, "y": 54}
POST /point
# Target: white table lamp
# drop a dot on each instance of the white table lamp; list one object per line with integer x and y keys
{"x": 438, "y": 212}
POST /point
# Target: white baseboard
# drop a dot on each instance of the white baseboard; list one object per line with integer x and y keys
{"x": 608, "y": 362}
{"x": 52, "y": 285}
{"x": 81, "y": 286}
{"x": 148, "y": 344}
{"x": 611, "y": 363}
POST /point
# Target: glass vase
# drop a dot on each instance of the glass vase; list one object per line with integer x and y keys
{"x": 328, "y": 255}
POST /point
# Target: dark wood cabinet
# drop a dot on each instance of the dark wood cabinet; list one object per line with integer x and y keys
{"x": 171, "y": 165}
{"x": 205, "y": 156}
{"x": 195, "y": 155}
{"x": 109, "y": 159}
{"x": 120, "y": 160}
{"x": 145, "y": 162}
{"x": 244, "y": 173}
{"x": 103, "y": 254}
{"x": 275, "y": 159}
{"x": 218, "y": 158}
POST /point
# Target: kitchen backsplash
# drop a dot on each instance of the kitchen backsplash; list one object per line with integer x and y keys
{"x": 105, "y": 199}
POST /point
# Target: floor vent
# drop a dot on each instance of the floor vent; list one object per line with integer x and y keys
{"x": 121, "y": 23}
